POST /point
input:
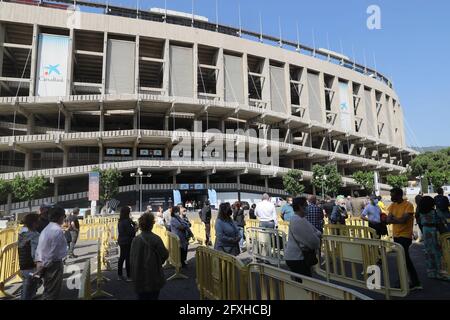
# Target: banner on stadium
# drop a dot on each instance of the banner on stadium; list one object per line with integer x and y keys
{"x": 52, "y": 66}
{"x": 94, "y": 186}
{"x": 212, "y": 196}
{"x": 344, "y": 107}
{"x": 176, "y": 197}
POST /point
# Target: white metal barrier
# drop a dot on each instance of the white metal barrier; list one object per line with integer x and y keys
{"x": 267, "y": 245}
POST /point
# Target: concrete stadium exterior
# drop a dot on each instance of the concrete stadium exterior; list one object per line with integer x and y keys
{"x": 130, "y": 83}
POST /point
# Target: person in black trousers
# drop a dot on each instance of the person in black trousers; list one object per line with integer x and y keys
{"x": 127, "y": 232}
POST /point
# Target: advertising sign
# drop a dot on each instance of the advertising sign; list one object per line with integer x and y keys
{"x": 344, "y": 107}
{"x": 52, "y": 66}
{"x": 94, "y": 186}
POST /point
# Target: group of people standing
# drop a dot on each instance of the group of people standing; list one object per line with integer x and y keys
{"x": 43, "y": 246}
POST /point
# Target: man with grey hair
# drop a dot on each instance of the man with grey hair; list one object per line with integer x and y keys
{"x": 266, "y": 213}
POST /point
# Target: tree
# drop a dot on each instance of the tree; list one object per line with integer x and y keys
{"x": 397, "y": 181}
{"x": 365, "y": 179}
{"x": 28, "y": 189}
{"x": 5, "y": 188}
{"x": 327, "y": 177}
{"x": 109, "y": 183}
{"x": 433, "y": 166}
{"x": 291, "y": 182}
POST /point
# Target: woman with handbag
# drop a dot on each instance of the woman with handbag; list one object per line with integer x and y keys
{"x": 303, "y": 241}
{"x": 433, "y": 225}
{"x": 148, "y": 255}
{"x": 227, "y": 233}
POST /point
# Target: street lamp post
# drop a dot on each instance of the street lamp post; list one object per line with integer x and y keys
{"x": 140, "y": 175}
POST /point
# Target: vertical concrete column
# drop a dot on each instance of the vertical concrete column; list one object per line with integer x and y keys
{"x": 9, "y": 203}
{"x": 314, "y": 189}
{"x": 28, "y": 160}
{"x": 136, "y": 69}
{"x": 100, "y": 154}
{"x": 222, "y": 126}
{"x": 374, "y": 112}
{"x": 266, "y": 183}
{"x": 70, "y": 61}
{"x": 101, "y": 125}
{"x": 30, "y": 124}
{"x": 166, "y": 74}
{"x": 207, "y": 181}
{"x": 245, "y": 77}
{"x": 135, "y": 152}
{"x": 166, "y": 153}
{"x": 220, "y": 85}
{"x": 66, "y": 157}
{"x": 55, "y": 191}
{"x": 105, "y": 48}
{"x": 174, "y": 181}
{"x": 287, "y": 80}
{"x": 67, "y": 122}
{"x": 292, "y": 163}
{"x": 34, "y": 52}
{"x": 166, "y": 123}
{"x": 195, "y": 65}
{"x": 322, "y": 96}
{"x": 238, "y": 181}
{"x": 265, "y": 96}
{"x": 2, "y": 40}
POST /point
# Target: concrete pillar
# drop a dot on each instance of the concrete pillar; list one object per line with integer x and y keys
{"x": 70, "y": 62}
{"x": 101, "y": 125}
{"x": 314, "y": 190}
{"x": 136, "y": 67}
{"x": 34, "y": 53}
{"x": 292, "y": 163}
{"x": 220, "y": 85}
{"x": 2, "y": 40}
{"x": 222, "y": 126}
{"x": 9, "y": 203}
{"x": 166, "y": 123}
{"x": 100, "y": 154}
{"x": 207, "y": 182}
{"x": 266, "y": 183}
{"x": 195, "y": 65}
{"x": 166, "y": 153}
{"x": 135, "y": 152}
{"x": 28, "y": 160}
{"x": 30, "y": 124}
{"x": 166, "y": 71}
{"x": 55, "y": 191}
{"x": 287, "y": 80}
{"x": 65, "y": 157}
{"x": 265, "y": 96}
{"x": 238, "y": 181}
{"x": 105, "y": 48}
{"x": 174, "y": 181}
{"x": 245, "y": 76}
{"x": 67, "y": 123}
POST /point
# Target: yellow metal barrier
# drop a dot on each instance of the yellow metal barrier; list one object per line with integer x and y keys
{"x": 349, "y": 231}
{"x": 445, "y": 243}
{"x": 8, "y": 236}
{"x": 175, "y": 256}
{"x": 270, "y": 283}
{"x": 220, "y": 276}
{"x": 9, "y": 266}
{"x": 84, "y": 292}
{"x": 266, "y": 244}
{"x": 91, "y": 232}
{"x": 356, "y": 221}
{"x": 349, "y": 261}
{"x": 284, "y": 226}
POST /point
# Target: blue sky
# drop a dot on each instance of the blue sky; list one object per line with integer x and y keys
{"x": 412, "y": 32}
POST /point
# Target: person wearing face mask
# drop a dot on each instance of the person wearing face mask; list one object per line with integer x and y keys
{"x": 287, "y": 211}
{"x": 339, "y": 213}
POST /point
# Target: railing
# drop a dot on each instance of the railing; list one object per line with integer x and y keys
{"x": 8, "y": 236}
{"x": 351, "y": 231}
{"x": 9, "y": 266}
{"x": 350, "y": 260}
{"x": 270, "y": 283}
{"x": 266, "y": 245}
{"x": 445, "y": 244}
{"x": 220, "y": 276}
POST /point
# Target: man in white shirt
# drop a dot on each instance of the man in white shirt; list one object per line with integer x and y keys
{"x": 50, "y": 252}
{"x": 266, "y": 213}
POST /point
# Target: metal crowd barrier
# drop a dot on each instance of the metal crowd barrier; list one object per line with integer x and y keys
{"x": 9, "y": 267}
{"x": 266, "y": 244}
{"x": 8, "y": 236}
{"x": 220, "y": 276}
{"x": 350, "y": 260}
{"x": 356, "y": 221}
{"x": 84, "y": 293}
{"x": 270, "y": 283}
{"x": 351, "y": 231}
{"x": 198, "y": 229}
{"x": 445, "y": 244}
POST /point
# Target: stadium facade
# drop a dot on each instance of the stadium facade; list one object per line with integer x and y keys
{"x": 112, "y": 87}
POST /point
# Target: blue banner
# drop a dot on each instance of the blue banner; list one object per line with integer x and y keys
{"x": 212, "y": 195}
{"x": 176, "y": 197}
